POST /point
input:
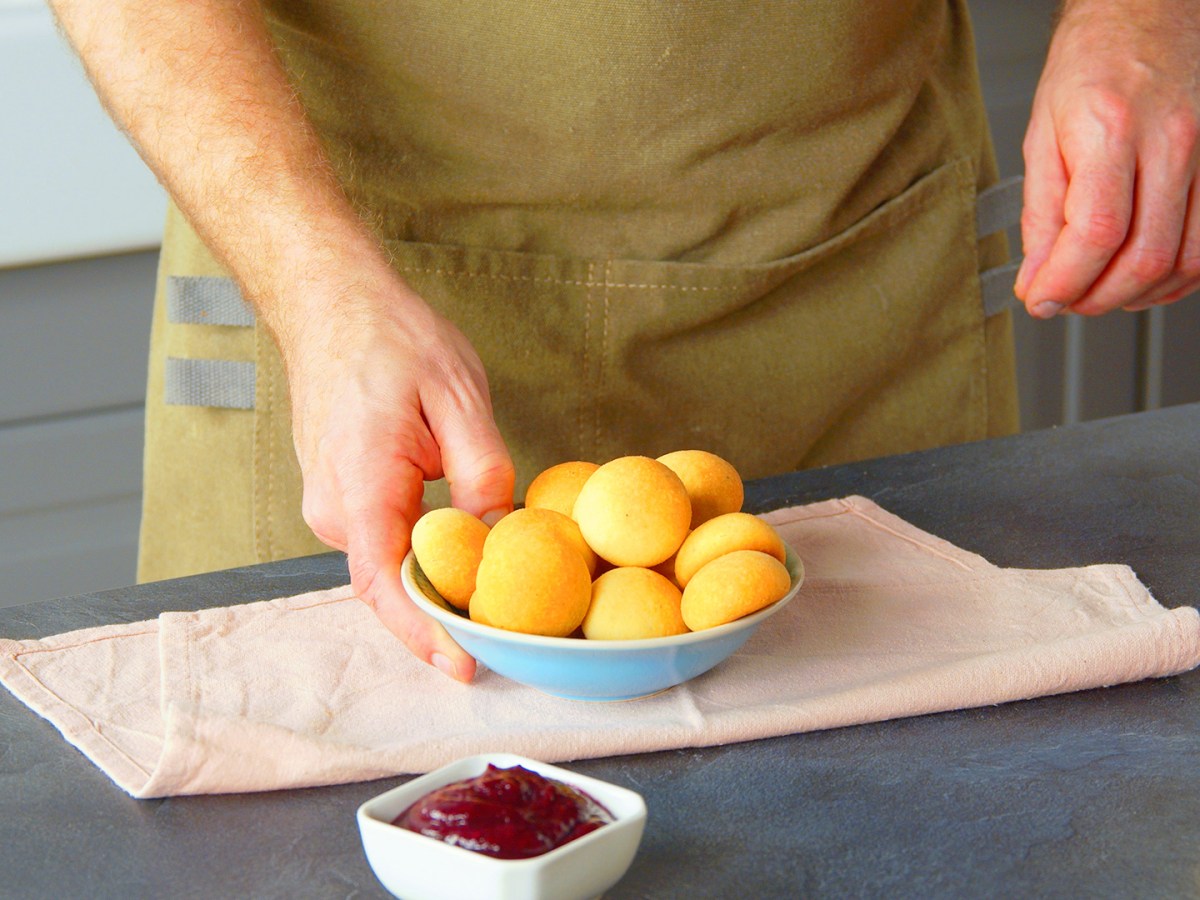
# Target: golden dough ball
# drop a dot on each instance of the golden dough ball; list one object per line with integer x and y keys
{"x": 525, "y": 519}
{"x": 724, "y": 534}
{"x": 448, "y": 544}
{"x": 557, "y": 487}
{"x": 713, "y": 484}
{"x": 631, "y": 603}
{"x": 532, "y": 579}
{"x": 476, "y": 612}
{"x": 633, "y": 511}
{"x": 732, "y": 586}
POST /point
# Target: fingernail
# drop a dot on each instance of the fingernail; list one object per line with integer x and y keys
{"x": 1048, "y": 309}
{"x": 444, "y": 665}
{"x": 492, "y": 516}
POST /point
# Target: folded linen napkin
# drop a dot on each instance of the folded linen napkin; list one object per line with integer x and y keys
{"x": 309, "y": 690}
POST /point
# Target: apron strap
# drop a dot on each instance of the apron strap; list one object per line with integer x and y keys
{"x": 998, "y": 208}
{"x": 204, "y": 300}
{"x": 996, "y": 287}
{"x": 224, "y": 384}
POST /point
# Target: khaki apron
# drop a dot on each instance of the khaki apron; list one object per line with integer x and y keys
{"x": 746, "y": 227}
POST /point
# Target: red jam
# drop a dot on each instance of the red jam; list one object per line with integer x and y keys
{"x": 506, "y": 813}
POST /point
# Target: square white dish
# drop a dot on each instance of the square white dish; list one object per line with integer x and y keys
{"x": 416, "y": 867}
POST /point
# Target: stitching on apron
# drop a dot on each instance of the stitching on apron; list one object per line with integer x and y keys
{"x": 985, "y": 362}
{"x": 587, "y": 336}
{"x": 270, "y": 463}
{"x": 589, "y": 283}
{"x": 600, "y": 371}
{"x": 881, "y": 220}
{"x": 256, "y": 462}
{"x": 970, "y": 241}
{"x": 262, "y": 456}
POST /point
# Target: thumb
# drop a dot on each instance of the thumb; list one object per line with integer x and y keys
{"x": 1042, "y": 214}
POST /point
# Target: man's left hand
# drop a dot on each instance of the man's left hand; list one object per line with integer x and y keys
{"x": 1112, "y": 209}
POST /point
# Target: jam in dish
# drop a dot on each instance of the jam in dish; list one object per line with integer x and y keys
{"x": 506, "y": 813}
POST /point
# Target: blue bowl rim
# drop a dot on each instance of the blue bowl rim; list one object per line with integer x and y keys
{"x": 455, "y": 620}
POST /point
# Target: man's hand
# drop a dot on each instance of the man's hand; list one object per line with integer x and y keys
{"x": 1112, "y": 210}
{"x": 387, "y": 394}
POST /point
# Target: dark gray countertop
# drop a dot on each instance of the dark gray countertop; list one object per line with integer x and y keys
{"x": 1094, "y": 794}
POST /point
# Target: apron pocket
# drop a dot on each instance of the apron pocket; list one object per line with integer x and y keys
{"x": 867, "y": 344}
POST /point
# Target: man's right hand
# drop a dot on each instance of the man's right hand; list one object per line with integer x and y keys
{"x": 385, "y": 395}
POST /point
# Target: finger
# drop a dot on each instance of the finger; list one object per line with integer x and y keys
{"x": 1187, "y": 290}
{"x": 1042, "y": 212}
{"x": 1147, "y": 260}
{"x": 378, "y": 537}
{"x": 475, "y": 460}
{"x": 345, "y": 476}
{"x": 480, "y": 471}
{"x": 1187, "y": 263}
{"x": 1178, "y": 294}
{"x": 1097, "y": 210}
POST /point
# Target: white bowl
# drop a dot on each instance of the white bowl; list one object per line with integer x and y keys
{"x": 416, "y": 867}
{"x": 579, "y": 669}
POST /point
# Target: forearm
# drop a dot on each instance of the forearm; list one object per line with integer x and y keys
{"x": 199, "y": 90}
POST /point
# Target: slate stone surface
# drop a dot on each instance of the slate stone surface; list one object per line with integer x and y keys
{"x": 1095, "y": 794}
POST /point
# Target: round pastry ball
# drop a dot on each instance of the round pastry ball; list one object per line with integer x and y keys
{"x": 724, "y": 534}
{"x": 525, "y": 519}
{"x": 732, "y": 586}
{"x": 557, "y": 487}
{"x": 532, "y": 579}
{"x": 713, "y": 484}
{"x": 631, "y": 603}
{"x": 448, "y": 544}
{"x": 633, "y": 511}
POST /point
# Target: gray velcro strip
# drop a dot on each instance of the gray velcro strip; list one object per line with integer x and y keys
{"x": 996, "y": 286}
{"x": 210, "y": 382}
{"x": 202, "y": 300}
{"x": 999, "y": 206}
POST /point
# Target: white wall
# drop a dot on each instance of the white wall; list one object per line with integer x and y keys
{"x": 70, "y": 186}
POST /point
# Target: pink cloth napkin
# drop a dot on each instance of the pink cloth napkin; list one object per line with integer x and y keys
{"x": 309, "y": 690}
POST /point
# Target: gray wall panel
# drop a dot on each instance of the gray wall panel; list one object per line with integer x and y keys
{"x": 73, "y": 336}
{"x": 70, "y": 461}
{"x": 68, "y": 550}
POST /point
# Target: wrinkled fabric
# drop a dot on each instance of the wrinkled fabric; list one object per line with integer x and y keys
{"x": 309, "y": 690}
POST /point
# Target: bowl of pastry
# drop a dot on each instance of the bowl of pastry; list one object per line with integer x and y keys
{"x": 612, "y": 582}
